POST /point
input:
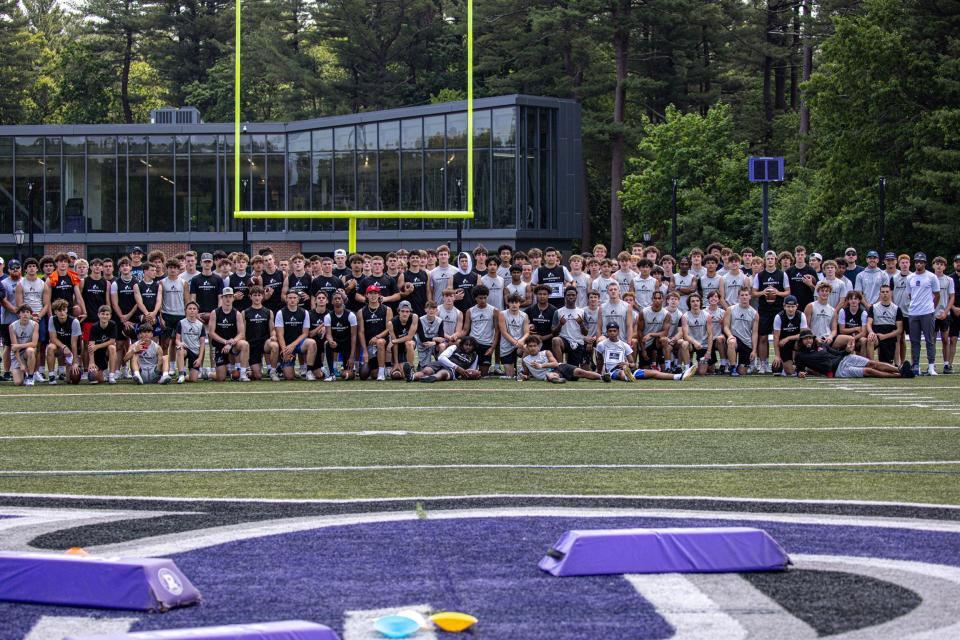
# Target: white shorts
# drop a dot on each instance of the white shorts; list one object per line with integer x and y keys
{"x": 851, "y": 367}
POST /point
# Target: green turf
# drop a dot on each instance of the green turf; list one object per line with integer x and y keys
{"x": 269, "y": 420}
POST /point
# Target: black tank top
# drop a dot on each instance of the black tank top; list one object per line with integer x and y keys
{"x": 257, "y": 324}
{"x": 789, "y": 326}
{"x": 340, "y": 326}
{"x": 148, "y": 293}
{"x": 292, "y": 323}
{"x": 125, "y": 299}
{"x": 226, "y": 323}
{"x": 374, "y": 321}
{"x": 768, "y": 279}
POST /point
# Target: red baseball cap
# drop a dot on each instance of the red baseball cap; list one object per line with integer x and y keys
{"x": 373, "y": 287}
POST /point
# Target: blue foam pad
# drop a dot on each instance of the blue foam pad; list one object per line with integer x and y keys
{"x": 283, "y": 630}
{"x": 695, "y": 550}
{"x": 142, "y": 584}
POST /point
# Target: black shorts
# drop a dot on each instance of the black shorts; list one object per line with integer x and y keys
{"x": 482, "y": 358}
{"x": 786, "y": 351}
{"x": 508, "y": 358}
{"x": 887, "y": 350}
{"x": 954, "y": 326}
{"x": 191, "y": 359}
{"x": 101, "y": 358}
{"x": 4, "y": 334}
{"x": 567, "y": 371}
{"x": 700, "y": 353}
{"x": 170, "y": 324}
{"x": 743, "y": 353}
{"x": 256, "y": 351}
{"x": 222, "y": 355}
{"x": 573, "y": 352}
{"x": 943, "y": 326}
{"x": 766, "y": 323}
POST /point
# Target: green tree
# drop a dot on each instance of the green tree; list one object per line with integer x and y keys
{"x": 17, "y": 53}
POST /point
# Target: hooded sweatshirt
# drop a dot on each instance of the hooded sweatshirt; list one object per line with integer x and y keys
{"x": 466, "y": 280}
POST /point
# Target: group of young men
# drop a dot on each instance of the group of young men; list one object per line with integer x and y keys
{"x": 428, "y": 316}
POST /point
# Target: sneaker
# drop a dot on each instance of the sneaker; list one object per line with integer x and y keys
{"x": 686, "y": 375}
{"x": 165, "y": 378}
{"x": 7, "y": 376}
{"x": 428, "y": 379}
{"x": 136, "y": 376}
{"x": 244, "y": 377}
{"x": 324, "y": 372}
{"x": 407, "y": 372}
{"x": 309, "y": 375}
{"x": 734, "y": 373}
{"x": 52, "y": 379}
{"x": 381, "y": 377}
{"x": 558, "y": 381}
{"x": 92, "y": 379}
{"x": 274, "y": 376}
{"x": 947, "y": 369}
{"x": 722, "y": 370}
{"x": 38, "y": 377}
{"x": 181, "y": 379}
{"x": 330, "y": 379}
{"x": 906, "y": 370}
{"x": 126, "y": 373}
{"x": 606, "y": 376}
{"x": 111, "y": 379}
{"x": 28, "y": 381}
{"x": 932, "y": 371}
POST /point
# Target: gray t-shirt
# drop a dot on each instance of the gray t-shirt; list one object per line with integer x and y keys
{"x": 741, "y": 323}
{"x": 10, "y": 289}
{"x": 190, "y": 334}
{"x": 172, "y": 303}
{"x": 481, "y": 324}
{"x": 540, "y": 358}
{"x": 149, "y": 357}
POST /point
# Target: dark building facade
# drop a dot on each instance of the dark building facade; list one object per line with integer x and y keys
{"x": 104, "y": 188}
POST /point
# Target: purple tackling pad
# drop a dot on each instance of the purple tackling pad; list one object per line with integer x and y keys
{"x": 143, "y": 584}
{"x": 695, "y": 550}
{"x": 284, "y": 630}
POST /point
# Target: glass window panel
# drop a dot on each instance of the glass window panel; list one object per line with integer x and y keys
{"x": 229, "y": 223}
{"x": 298, "y": 187}
{"x": 276, "y": 186}
{"x": 162, "y": 183}
{"x": 411, "y": 185}
{"x": 122, "y": 192}
{"x": 343, "y": 139}
{"x": 543, "y": 195}
{"x": 51, "y": 196}
{"x": 6, "y": 147}
{"x": 299, "y": 141}
{"x": 74, "y": 145}
{"x": 481, "y": 189}
{"x": 29, "y": 145}
{"x": 390, "y": 135}
{"x": 367, "y": 182}
{"x": 389, "y": 186}
{"x": 276, "y": 143}
{"x": 434, "y": 132}
{"x": 457, "y": 130}
{"x": 137, "y": 144}
{"x": 74, "y": 203}
{"x": 258, "y": 142}
{"x": 323, "y": 140}
{"x": 99, "y": 145}
{"x": 203, "y": 144}
{"x": 181, "y": 193}
{"x": 367, "y": 136}
{"x": 531, "y": 212}
{"x": 531, "y": 124}
{"x": 411, "y": 133}
{"x": 203, "y": 193}
{"x": 322, "y": 189}
{"x": 504, "y": 127}
{"x": 29, "y": 194}
{"x": 481, "y": 128}
{"x": 102, "y": 193}
{"x": 6, "y": 190}
{"x": 504, "y": 176}
{"x": 254, "y": 183}
{"x": 53, "y": 146}
{"x": 159, "y": 145}
{"x": 183, "y": 144}
{"x": 137, "y": 196}
{"x": 545, "y": 117}
{"x": 457, "y": 180}
{"x": 344, "y": 187}
{"x": 435, "y": 186}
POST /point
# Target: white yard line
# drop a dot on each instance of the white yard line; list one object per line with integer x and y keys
{"x": 406, "y": 467}
{"x": 466, "y": 432}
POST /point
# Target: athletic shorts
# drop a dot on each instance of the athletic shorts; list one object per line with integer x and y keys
{"x": 256, "y": 351}
{"x": 954, "y": 326}
{"x": 170, "y": 325}
{"x": 5, "y": 333}
{"x": 483, "y": 359}
{"x": 101, "y": 358}
{"x": 85, "y": 328}
{"x": 15, "y": 361}
{"x": 766, "y": 324}
{"x": 567, "y": 371}
{"x": 887, "y": 350}
{"x": 851, "y": 366}
{"x": 150, "y": 376}
{"x": 700, "y": 353}
{"x": 222, "y": 357}
{"x": 743, "y": 353}
{"x": 44, "y": 330}
{"x": 508, "y": 358}
{"x": 573, "y": 352}
{"x": 786, "y": 351}
{"x": 286, "y": 364}
{"x": 191, "y": 359}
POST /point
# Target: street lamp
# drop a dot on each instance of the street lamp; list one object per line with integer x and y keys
{"x": 30, "y": 225}
{"x": 18, "y": 236}
{"x": 647, "y": 236}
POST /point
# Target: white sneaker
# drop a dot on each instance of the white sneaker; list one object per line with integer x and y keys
{"x": 330, "y": 379}
{"x": 52, "y": 378}
{"x": 381, "y": 377}
{"x": 165, "y": 378}
{"x": 309, "y": 375}
{"x": 303, "y": 370}
{"x": 111, "y": 379}
{"x": 180, "y": 379}
{"x": 325, "y": 373}
{"x": 244, "y": 378}
{"x": 126, "y": 373}
{"x": 37, "y": 376}
{"x": 932, "y": 371}
{"x": 275, "y": 376}
{"x": 28, "y": 381}
{"x": 136, "y": 376}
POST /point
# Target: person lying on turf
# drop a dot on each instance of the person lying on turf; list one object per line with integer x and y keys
{"x": 457, "y": 361}
{"x": 822, "y": 360}
{"x": 541, "y": 364}
{"x": 618, "y": 360}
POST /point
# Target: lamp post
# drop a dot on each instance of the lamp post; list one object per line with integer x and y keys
{"x": 18, "y": 236}
{"x": 459, "y": 221}
{"x": 30, "y": 225}
{"x": 647, "y": 237}
{"x": 245, "y": 223}
{"x": 673, "y": 201}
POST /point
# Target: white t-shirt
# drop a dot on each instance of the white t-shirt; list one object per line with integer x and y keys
{"x": 922, "y": 287}
{"x": 613, "y": 353}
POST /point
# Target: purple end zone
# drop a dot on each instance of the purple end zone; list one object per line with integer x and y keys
{"x": 696, "y": 550}
{"x": 284, "y": 630}
{"x": 147, "y": 584}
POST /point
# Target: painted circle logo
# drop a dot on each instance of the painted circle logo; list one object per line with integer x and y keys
{"x": 170, "y": 581}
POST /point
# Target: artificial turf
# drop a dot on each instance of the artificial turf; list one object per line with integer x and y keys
{"x": 300, "y": 424}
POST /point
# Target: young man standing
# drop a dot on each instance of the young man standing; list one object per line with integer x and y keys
{"x": 954, "y": 314}
{"x": 273, "y": 281}
{"x": 852, "y": 269}
{"x": 733, "y": 280}
{"x": 325, "y": 281}
{"x": 925, "y": 295}
{"x": 451, "y": 317}
{"x": 900, "y": 281}
{"x": 625, "y": 275}
{"x": 684, "y": 282}
{"x": 8, "y": 311}
{"x": 226, "y": 330}
{"x": 711, "y": 279}
{"x": 942, "y": 310}
{"x": 64, "y": 284}
{"x": 803, "y": 279}
{"x": 480, "y": 322}
{"x": 554, "y": 275}
{"x": 494, "y": 284}
{"x": 579, "y": 279}
{"x": 340, "y": 269}
{"x": 414, "y": 281}
{"x": 95, "y": 291}
{"x": 514, "y": 329}
{"x": 299, "y": 280}
{"x": 23, "y": 336}
{"x": 174, "y": 296}
{"x": 741, "y": 325}
{"x": 191, "y": 342}
{"x": 102, "y": 348}
{"x": 869, "y": 280}
{"x": 441, "y": 278}
{"x": 149, "y": 296}
{"x": 770, "y": 287}
{"x": 189, "y": 268}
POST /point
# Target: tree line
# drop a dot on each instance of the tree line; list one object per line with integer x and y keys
{"x": 847, "y": 90}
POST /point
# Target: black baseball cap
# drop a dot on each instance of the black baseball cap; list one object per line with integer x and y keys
{"x": 790, "y": 300}
{"x": 136, "y": 250}
{"x": 612, "y": 325}
{"x": 15, "y": 264}
{"x": 872, "y": 254}
{"x": 919, "y": 256}
{"x": 889, "y": 255}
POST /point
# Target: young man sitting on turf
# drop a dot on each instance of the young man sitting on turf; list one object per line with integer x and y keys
{"x": 457, "y": 361}
{"x": 818, "y": 359}
{"x": 540, "y": 364}
{"x": 24, "y": 339}
{"x": 146, "y": 359}
{"x": 102, "y": 348}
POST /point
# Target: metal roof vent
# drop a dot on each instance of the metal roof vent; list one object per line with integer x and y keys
{"x": 174, "y": 115}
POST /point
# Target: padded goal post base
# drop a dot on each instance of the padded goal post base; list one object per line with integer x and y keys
{"x": 142, "y": 584}
{"x": 284, "y": 630}
{"x": 695, "y": 550}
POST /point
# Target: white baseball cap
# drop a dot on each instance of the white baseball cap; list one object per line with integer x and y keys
{"x": 339, "y": 253}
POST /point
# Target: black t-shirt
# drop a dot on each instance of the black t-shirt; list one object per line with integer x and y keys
{"x": 240, "y": 283}
{"x": 553, "y": 278}
{"x": 340, "y": 326}
{"x": 316, "y": 318}
{"x": 824, "y": 360}
{"x": 99, "y": 335}
{"x": 274, "y": 281}
{"x": 227, "y": 327}
{"x": 94, "y": 295}
{"x": 345, "y": 273}
{"x": 300, "y": 284}
{"x": 773, "y": 279}
{"x": 798, "y": 288}
{"x": 541, "y": 320}
{"x": 149, "y": 293}
{"x": 352, "y": 303}
{"x": 387, "y": 284}
{"x": 418, "y": 297}
{"x": 292, "y": 323}
{"x": 207, "y": 289}
{"x": 256, "y": 324}
{"x": 326, "y": 284}
{"x": 374, "y": 321}
{"x": 465, "y": 282}
{"x": 63, "y": 290}
{"x": 400, "y": 329}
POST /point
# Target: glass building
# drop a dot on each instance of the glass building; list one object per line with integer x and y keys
{"x": 143, "y": 184}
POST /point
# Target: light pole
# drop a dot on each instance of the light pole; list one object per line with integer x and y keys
{"x": 245, "y": 223}
{"x": 459, "y": 221}
{"x": 30, "y": 225}
{"x": 18, "y": 236}
{"x": 673, "y": 200}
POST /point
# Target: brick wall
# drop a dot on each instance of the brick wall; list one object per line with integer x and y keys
{"x": 55, "y": 248}
{"x": 169, "y": 249}
{"x": 281, "y": 250}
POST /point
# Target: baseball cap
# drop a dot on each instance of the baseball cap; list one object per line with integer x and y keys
{"x": 404, "y": 305}
{"x": 770, "y": 254}
{"x": 373, "y": 288}
{"x": 956, "y": 258}
{"x": 919, "y": 256}
{"x": 227, "y": 291}
{"x": 872, "y": 254}
{"x": 73, "y": 254}
{"x": 206, "y": 256}
{"x": 134, "y": 250}
{"x": 1, "y": 260}
{"x": 14, "y": 264}
{"x": 850, "y": 250}
{"x": 612, "y": 325}
{"x": 790, "y": 300}
{"x": 889, "y": 255}
{"x": 339, "y": 253}
{"x": 804, "y": 333}
{"x": 816, "y": 256}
